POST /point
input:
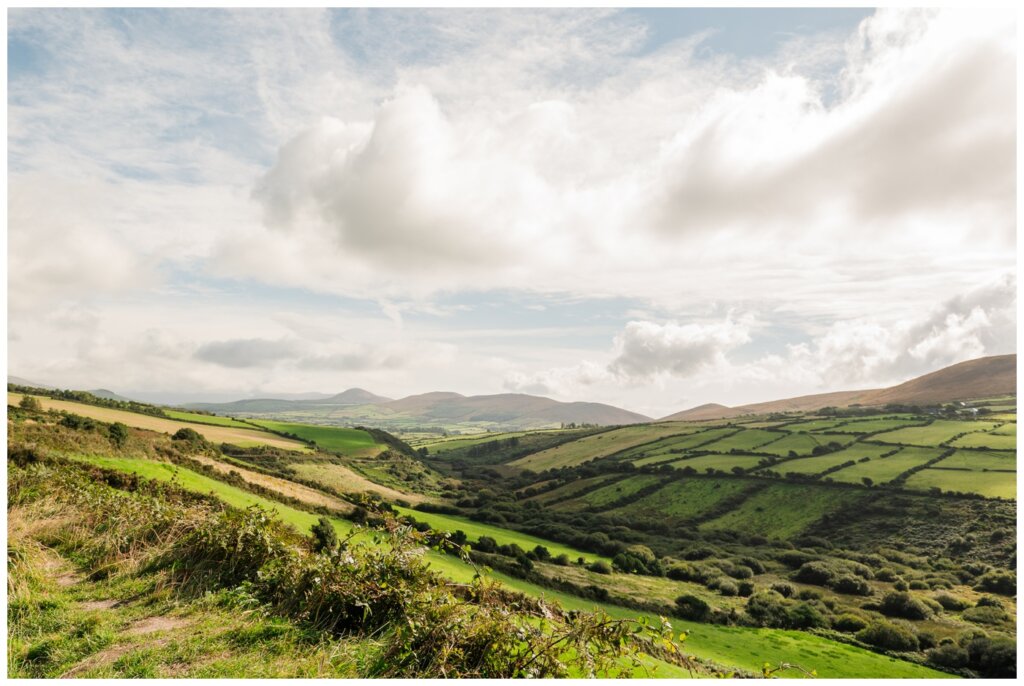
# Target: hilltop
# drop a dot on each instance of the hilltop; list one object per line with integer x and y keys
{"x": 983, "y": 377}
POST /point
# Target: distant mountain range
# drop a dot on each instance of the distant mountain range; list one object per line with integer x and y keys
{"x": 506, "y": 410}
{"x": 980, "y": 378}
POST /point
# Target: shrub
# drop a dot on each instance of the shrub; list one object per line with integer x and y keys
{"x": 854, "y": 585}
{"x": 806, "y": 616}
{"x": 919, "y": 585}
{"x": 901, "y": 585}
{"x": 949, "y": 655}
{"x": 561, "y": 560}
{"x": 325, "y": 538}
{"x": 746, "y": 588}
{"x": 30, "y": 402}
{"x": 985, "y": 614}
{"x": 904, "y": 605}
{"x": 951, "y": 603}
{"x": 187, "y": 434}
{"x": 849, "y": 623}
{"x": 738, "y": 571}
{"x": 486, "y": 544}
{"x": 886, "y": 574}
{"x": 998, "y": 581}
{"x": 726, "y": 587}
{"x": 118, "y": 433}
{"x": 888, "y": 636}
{"x": 783, "y": 589}
{"x": 993, "y": 657}
{"x": 767, "y": 608}
{"x": 699, "y": 553}
{"x": 691, "y": 607}
{"x": 817, "y": 573}
{"x": 600, "y": 566}
{"x": 989, "y": 601}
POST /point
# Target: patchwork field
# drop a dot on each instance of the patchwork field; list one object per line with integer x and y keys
{"x": 815, "y": 465}
{"x": 783, "y": 510}
{"x": 599, "y": 445}
{"x": 936, "y": 433}
{"x": 884, "y": 469}
{"x": 674, "y": 446}
{"x": 684, "y": 499}
{"x": 723, "y": 463}
{"x": 353, "y": 442}
{"x": 1002, "y": 438}
{"x": 206, "y": 419}
{"x": 801, "y": 444}
{"x": 867, "y": 426}
{"x": 979, "y": 461}
{"x": 813, "y": 425}
{"x": 988, "y": 484}
{"x": 609, "y": 494}
{"x": 216, "y": 434}
{"x": 747, "y": 439}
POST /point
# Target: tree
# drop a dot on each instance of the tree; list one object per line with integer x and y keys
{"x": 325, "y": 538}
{"x": 30, "y": 402}
{"x": 868, "y": 481}
{"x": 118, "y": 433}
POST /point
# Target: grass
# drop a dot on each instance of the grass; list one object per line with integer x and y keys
{"x": 335, "y": 439}
{"x": 724, "y": 463}
{"x": 813, "y": 425}
{"x": 869, "y": 426}
{"x": 198, "y": 418}
{"x": 475, "y": 530}
{"x": 674, "y": 446}
{"x": 936, "y": 433}
{"x": 884, "y": 469}
{"x": 980, "y": 460}
{"x": 599, "y": 445}
{"x": 571, "y": 489}
{"x": 818, "y": 464}
{"x": 344, "y": 480}
{"x": 991, "y": 439}
{"x": 609, "y": 494}
{"x": 684, "y": 499}
{"x": 801, "y": 444}
{"x": 275, "y": 654}
{"x": 989, "y": 484}
{"x": 783, "y": 510}
{"x": 444, "y": 445}
{"x": 747, "y": 439}
{"x": 217, "y": 434}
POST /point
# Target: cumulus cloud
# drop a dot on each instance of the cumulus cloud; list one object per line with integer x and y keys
{"x": 646, "y": 349}
{"x": 249, "y": 352}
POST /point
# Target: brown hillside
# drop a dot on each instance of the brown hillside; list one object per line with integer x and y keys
{"x": 980, "y": 378}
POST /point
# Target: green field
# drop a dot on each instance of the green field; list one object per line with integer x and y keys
{"x": 815, "y": 465}
{"x": 215, "y": 420}
{"x": 599, "y": 445}
{"x": 199, "y": 483}
{"x": 738, "y": 646}
{"x": 684, "y": 499}
{"x": 329, "y": 438}
{"x": 989, "y": 484}
{"x": 813, "y": 425}
{"x": 870, "y": 426}
{"x": 1002, "y": 438}
{"x": 1003, "y": 417}
{"x": 801, "y": 444}
{"x": 783, "y": 510}
{"x": 747, "y": 439}
{"x": 723, "y": 463}
{"x": 980, "y": 460}
{"x": 475, "y": 530}
{"x": 444, "y": 445}
{"x": 884, "y": 469}
{"x": 936, "y": 433}
{"x": 676, "y": 445}
{"x": 610, "y": 493}
{"x": 571, "y": 489}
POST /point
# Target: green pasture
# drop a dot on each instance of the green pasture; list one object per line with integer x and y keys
{"x": 801, "y": 444}
{"x": 684, "y": 499}
{"x": 884, "y": 469}
{"x": 936, "y": 433}
{"x": 724, "y": 462}
{"x": 988, "y": 484}
{"x": 599, "y": 445}
{"x": 870, "y": 426}
{"x": 609, "y": 494}
{"x": 783, "y": 510}
{"x": 198, "y": 418}
{"x": 329, "y": 438}
{"x": 980, "y": 460}
{"x": 648, "y": 453}
{"x": 747, "y": 439}
{"x": 813, "y": 425}
{"x": 572, "y": 489}
{"x": 815, "y": 465}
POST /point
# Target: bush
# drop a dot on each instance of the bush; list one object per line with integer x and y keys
{"x": 806, "y": 616}
{"x": 562, "y": 560}
{"x": 904, "y": 605}
{"x": 691, "y": 607}
{"x": 187, "y": 434}
{"x": 886, "y": 574}
{"x": 746, "y": 588}
{"x": 325, "y": 538}
{"x": 985, "y": 615}
{"x": 989, "y": 601}
{"x": 486, "y": 544}
{"x": 998, "y": 581}
{"x": 118, "y": 433}
{"x": 699, "y": 553}
{"x": 888, "y": 636}
{"x": 600, "y": 566}
{"x": 951, "y": 603}
{"x": 949, "y": 655}
{"x": 726, "y": 587}
{"x": 30, "y": 402}
{"x": 783, "y": 589}
{"x": 767, "y": 608}
{"x": 854, "y": 585}
{"x": 739, "y": 571}
{"x": 817, "y": 573}
{"x": 849, "y": 623}
{"x": 919, "y": 585}
{"x": 993, "y": 658}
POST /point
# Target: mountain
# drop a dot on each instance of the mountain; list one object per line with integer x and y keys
{"x": 109, "y": 395}
{"x": 980, "y": 378}
{"x": 354, "y": 396}
{"x": 439, "y": 408}
{"x": 17, "y": 380}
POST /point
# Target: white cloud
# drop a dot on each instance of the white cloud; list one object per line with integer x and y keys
{"x": 647, "y": 349}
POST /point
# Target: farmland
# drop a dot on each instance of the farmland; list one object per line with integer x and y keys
{"x": 597, "y": 446}
{"x": 217, "y": 434}
{"x": 1002, "y": 438}
{"x": 748, "y": 439}
{"x": 198, "y": 418}
{"x": 989, "y": 484}
{"x": 936, "y": 433}
{"x": 355, "y": 442}
{"x": 724, "y": 463}
{"x": 782, "y": 510}
{"x": 884, "y": 469}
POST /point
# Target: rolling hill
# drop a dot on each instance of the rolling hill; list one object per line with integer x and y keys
{"x": 980, "y": 378}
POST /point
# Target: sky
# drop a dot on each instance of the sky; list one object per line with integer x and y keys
{"x": 654, "y": 209}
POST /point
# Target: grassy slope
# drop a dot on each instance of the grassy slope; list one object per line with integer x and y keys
{"x": 598, "y": 445}
{"x": 783, "y": 510}
{"x": 217, "y": 434}
{"x": 332, "y": 438}
{"x": 990, "y": 484}
{"x": 935, "y": 433}
{"x": 206, "y": 419}
{"x": 740, "y": 646}
{"x": 884, "y": 469}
